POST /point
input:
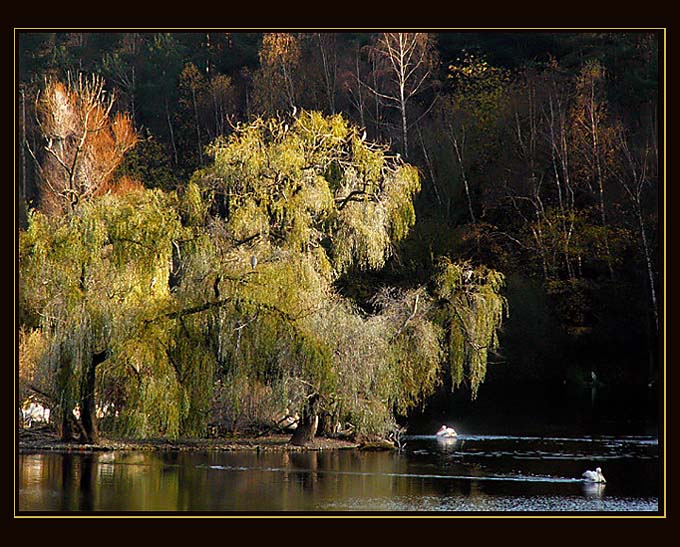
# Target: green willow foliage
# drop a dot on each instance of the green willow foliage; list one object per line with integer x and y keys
{"x": 217, "y": 304}
{"x": 309, "y": 199}
{"x": 90, "y": 281}
{"x": 474, "y": 311}
{"x": 312, "y": 181}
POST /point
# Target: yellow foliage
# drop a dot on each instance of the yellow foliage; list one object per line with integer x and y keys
{"x": 312, "y": 181}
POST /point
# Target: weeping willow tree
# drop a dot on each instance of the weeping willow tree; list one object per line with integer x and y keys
{"x": 292, "y": 204}
{"x": 217, "y": 304}
{"x": 87, "y": 282}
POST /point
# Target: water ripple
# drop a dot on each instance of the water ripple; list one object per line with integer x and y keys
{"x": 613, "y": 441}
{"x": 535, "y": 504}
{"x": 515, "y": 478}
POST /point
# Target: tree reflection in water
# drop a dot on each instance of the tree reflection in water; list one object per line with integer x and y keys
{"x": 473, "y": 473}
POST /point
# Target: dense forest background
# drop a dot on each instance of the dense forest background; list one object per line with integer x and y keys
{"x": 537, "y": 152}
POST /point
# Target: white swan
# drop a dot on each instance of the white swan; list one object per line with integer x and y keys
{"x": 446, "y": 432}
{"x": 594, "y": 476}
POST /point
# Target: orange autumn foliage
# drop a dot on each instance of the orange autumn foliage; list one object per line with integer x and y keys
{"x": 125, "y": 185}
{"x": 83, "y": 143}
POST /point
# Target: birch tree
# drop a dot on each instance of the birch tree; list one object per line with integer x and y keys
{"x": 192, "y": 84}
{"x": 275, "y": 83}
{"x": 592, "y": 136}
{"x": 635, "y": 172}
{"x": 406, "y": 60}
{"x": 328, "y": 51}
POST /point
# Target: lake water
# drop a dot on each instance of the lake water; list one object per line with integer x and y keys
{"x": 473, "y": 473}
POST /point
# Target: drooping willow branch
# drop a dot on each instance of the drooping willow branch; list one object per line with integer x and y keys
{"x": 409, "y": 318}
{"x": 352, "y": 196}
{"x": 205, "y": 306}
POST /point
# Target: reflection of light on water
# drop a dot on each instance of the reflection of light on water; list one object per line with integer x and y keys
{"x": 541, "y": 448}
{"x": 468, "y": 473}
{"x": 32, "y": 469}
{"x": 106, "y": 471}
{"x": 447, "y": 444}
{"x": 520, "y": 478}
{"x": 593, "y": 489}
{"x": 493, "y": 503}
{"x": 106, "y": 466}
{"x": 447, "y": 440}
{"x": 604, "y": 439}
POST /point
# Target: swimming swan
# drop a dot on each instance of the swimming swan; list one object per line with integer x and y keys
{"x": 446, "y": 432}
{"x": 594, "y": 476}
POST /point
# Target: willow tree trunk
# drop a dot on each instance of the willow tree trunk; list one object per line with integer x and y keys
{"x": 67, "y": 396}
{"x": 66, "y": 429}
{"x": 308, "y": 424}
{"x": 88, "y": 405}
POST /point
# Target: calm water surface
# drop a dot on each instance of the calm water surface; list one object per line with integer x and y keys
{"x": 475, "y": 473}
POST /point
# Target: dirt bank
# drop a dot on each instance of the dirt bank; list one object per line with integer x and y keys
{"x": 41, "y": 439}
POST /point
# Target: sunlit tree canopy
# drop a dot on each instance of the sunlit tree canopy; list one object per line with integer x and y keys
{"x": 217, "y": 304}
